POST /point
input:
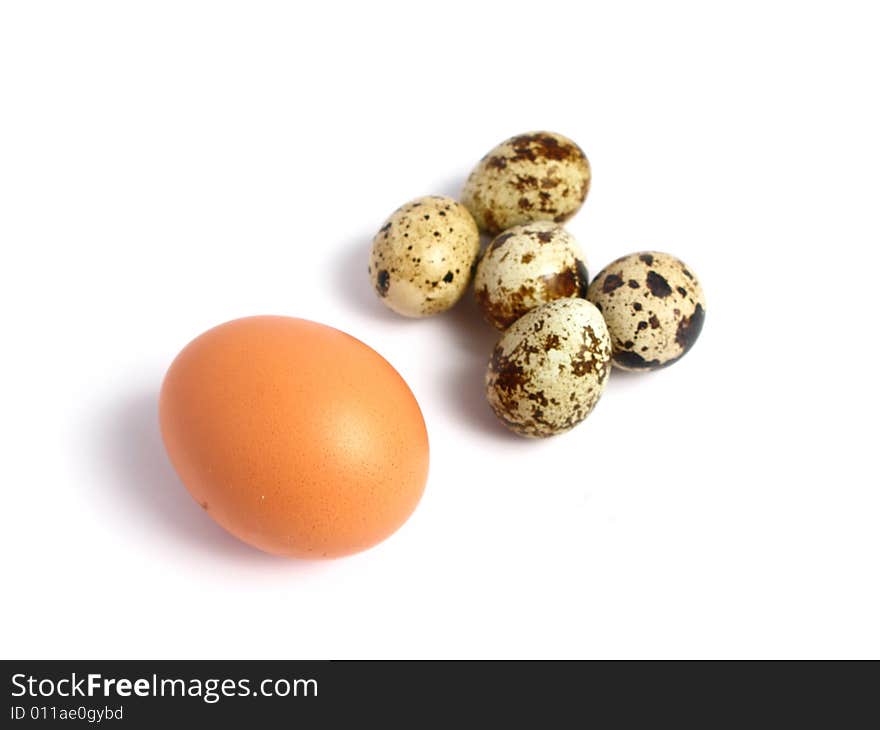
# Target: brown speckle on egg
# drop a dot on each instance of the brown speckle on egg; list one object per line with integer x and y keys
{"x": 383, "y": 279}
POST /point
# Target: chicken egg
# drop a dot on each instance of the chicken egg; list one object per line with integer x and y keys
{"x": 296, "y": 437}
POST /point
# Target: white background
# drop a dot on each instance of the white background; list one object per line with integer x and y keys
{"x": 167, "y": 166}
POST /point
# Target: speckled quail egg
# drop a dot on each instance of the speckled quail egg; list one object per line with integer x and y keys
{"x": 423, "y": 256}
{"x": 653, "y": 306}
{"x": 526, "y": 266}
{"x": 549, "y": 368}
{"x": 531, "y": 177}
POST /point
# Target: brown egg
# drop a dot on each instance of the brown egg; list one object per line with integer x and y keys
{"x": 295, "y": 437}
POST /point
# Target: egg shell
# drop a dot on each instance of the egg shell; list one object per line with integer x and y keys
{"x": 549, "y": 368}
{"x": 423, "y": 256}
{"x": 530, "y": 177}
{"x": 526, "y": 266}
{"x": 297, "y": 438}
{"x": 654, "y": 308}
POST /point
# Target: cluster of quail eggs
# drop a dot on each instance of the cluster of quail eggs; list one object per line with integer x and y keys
{"x": 560, "y": 333}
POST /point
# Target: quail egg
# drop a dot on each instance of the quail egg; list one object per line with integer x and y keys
{"x": 549, "y": 368}
{"x": 423, "y": 256}
{"x": 530, "y": 177}
{"x": 653, "y": 306}
{"x": 526, "y": 266}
